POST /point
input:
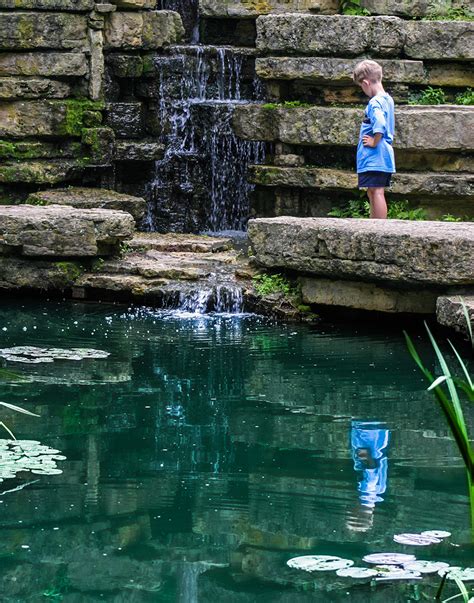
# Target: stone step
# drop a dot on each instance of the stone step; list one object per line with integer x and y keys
{"x": 450, "y": 312}
{"x": 422, "y": 128}
{"x": 340, "y": 35}
{"x": 406, "y": 253}
{"x": 61, "y": 231}
{"x": 40, "y": 172}
{"x": 175, "y": 242}
{"x": 90, "y": 198}
{"x": 232, "y": 9}
{"x": 335, "y": 71}
{"x": 415, "y": 183}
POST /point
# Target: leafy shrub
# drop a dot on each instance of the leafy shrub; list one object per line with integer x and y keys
{"x": 465, "y": 98}
{"x": 352, "y": 7}
{"x": 429, "y": 96}
{"x": 266, "y": 284}
{"x": 360, "y": 208}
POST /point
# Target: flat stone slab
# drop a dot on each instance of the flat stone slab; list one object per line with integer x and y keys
{"x": 29, "y": 30}
{"x": 341, "y": 35}
{"x": 40, "y": 172}
{"x": 243, "y": 9}
{"x": 90, "y": 198}
{"x": 61, "y": 231}
{"x": 447, "y": 184}
{"x": 450, "y": 312}
{"x": 176, "y": 242}
{"x": 397, "y": 251}
{"x": 366, "y": 296}
{"x": 50, "y": 64}
{"x": 63, "y": 5}
{"x": 440, "y": 127}
{"x": 409, "y": 8}
{"x": 143, "y": 30}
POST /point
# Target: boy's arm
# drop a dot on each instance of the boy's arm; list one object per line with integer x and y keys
{"x": 372, "y": 141}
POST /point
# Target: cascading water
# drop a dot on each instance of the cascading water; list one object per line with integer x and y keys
{"x": 189, "y": 11}
{"x": 200, "y": 184}
{"x": 221, "y": 298}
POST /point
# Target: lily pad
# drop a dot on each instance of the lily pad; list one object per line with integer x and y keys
{"x": 465, "y": 574}
{"x": 357, "y": 572}
{"x": 415, "y": 539}
{"x": 36, "y": 355}
{"x": 19, "y": 456}
{"x": 388, "y": 558}
{"x": 425, "y": 567}
{"x": 319, "y": 563}
{"x": 436, "y": 534}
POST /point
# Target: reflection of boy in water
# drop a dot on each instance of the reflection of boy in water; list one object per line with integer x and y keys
{"x": 369, "y": 443}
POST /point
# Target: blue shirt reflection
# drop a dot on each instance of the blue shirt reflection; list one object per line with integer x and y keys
{"x": 369, "y": 442}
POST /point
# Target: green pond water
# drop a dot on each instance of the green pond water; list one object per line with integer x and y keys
{"x": 205, "y": 452}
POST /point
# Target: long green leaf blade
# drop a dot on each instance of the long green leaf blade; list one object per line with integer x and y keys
{"x": 463, "y": 366}
{"x": 18, "y": 409}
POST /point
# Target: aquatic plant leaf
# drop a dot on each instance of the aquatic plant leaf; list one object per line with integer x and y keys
{"x": 357, "y": 572}
{"x": 437, "y": 382}
{"x": 19, "y": 456}
{"x": 425, "y": 567}
{"x": 388, "y": 558}
{"x": 463, "y": 366}
{"x": 18, "y": 409}
{"x": 465, "y": 574}
{"x": 415, "y": 539}
{"x": 319, "y": 563}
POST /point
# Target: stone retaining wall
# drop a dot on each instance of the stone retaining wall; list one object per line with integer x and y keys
{"x": 59, "y": 117}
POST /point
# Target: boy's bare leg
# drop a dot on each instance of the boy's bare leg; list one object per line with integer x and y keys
{"x": 378, "y": 205}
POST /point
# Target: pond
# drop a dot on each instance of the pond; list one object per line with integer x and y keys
{"x": 205, "y": 452}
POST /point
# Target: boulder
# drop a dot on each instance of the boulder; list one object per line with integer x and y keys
{"x": 60, "y": 231}
{"x": 23, "y": 31}
{"x": 242, "y": 9}
{"x": 450, "y": 312}
{"x": 91, "y": 198}
{"x": 48, "y": 64}
{"x": 366, "y": 296}
{"x": 432, "y": 253}
{"x": 143, "y": 30}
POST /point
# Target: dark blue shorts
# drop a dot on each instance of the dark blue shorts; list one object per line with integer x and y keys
{"x": 374, "y": 179}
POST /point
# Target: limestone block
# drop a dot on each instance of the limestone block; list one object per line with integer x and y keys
{"x": 60, "y": 5}
{"x": 135, "y": 4}
{"x": 330, "y": 35}
{"x": 425, "y": 128}
{"x": 46, "y": 118}
{"x": 450, "y": 312}
{"x": 27, "y": 230}
{"x": 366, "y": 296}
{"x": 415, "y": 183}
{"x": 125, "y": 65}
{"x": 23, "y": 31}
{"x": 34, "y": 149}
{"x": 440, "y": 40}
{"x": 242, "y": 9}
{"x": 144, "y": 30}
{"x": 450, "y": 74}
{"x": 51, "y": 64}
{"x": 138, "y": 150}
{"x": 125, "y": 119}
{"x": 409, "y": 8}
{"x": 90, "y": 198}
{"x": 40, "y": 172}
{"x": 17, "y": 273}
{"x": 17, "y": 88}
{"x": 432, "y": 253}
{"x": 338, "y": 71}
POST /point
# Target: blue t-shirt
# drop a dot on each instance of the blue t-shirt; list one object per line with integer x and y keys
{"x": 379, "y": 117}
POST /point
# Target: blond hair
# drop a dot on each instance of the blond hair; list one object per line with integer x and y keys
{"x": 367, "y": 70}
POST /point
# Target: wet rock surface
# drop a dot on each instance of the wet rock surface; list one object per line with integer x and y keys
{"x": 61, "y": 231}
{"x": 451, "y": 313}
{"x": 434, "y": 253}
{"x": 90, "y": 198}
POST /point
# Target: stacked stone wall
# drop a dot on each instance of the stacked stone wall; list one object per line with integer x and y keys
{"x": 306, "y": 53}
{"x": 61, "y": 119}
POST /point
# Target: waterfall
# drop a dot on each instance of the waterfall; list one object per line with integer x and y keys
{"x": 189, "y": 11}
{"x": 223, "y": 299}
{"x": 200, "y": 184}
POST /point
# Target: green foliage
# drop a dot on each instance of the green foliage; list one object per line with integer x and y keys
{"x": 429, "y": 96}
{"x": 450, "y": 218}
{"x": 266, "y": 284}
{"x": 125, "y": 248}
{"x": 97, "y": 265}
{"x": 465, "y": 98}
{"x": 71, "y": 270}
{"x": 442, "y": 10}
{"x": 79, "y": 115}
{"x": 286, "y": 105}
{"x": 353, "y": 7}
{"x": 360, "y": 208}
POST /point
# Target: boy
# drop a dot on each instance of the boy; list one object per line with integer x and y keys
{"x": 375, "y": 158}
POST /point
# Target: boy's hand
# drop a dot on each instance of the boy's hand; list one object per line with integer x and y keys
{"x": 371, "y": 141}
